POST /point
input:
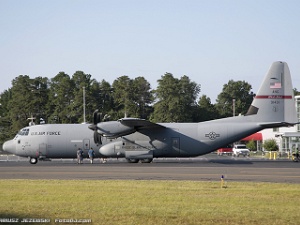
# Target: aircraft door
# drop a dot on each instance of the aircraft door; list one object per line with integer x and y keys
{"x": 176, "y": 144}
{"x": 86, "y": 144}
{"x": 43, "y": 150}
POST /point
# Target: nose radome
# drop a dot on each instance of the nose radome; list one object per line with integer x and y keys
{"x": 9, "y": 146}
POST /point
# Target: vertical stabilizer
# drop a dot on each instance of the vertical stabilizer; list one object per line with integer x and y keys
{"x": 274, "y": 103}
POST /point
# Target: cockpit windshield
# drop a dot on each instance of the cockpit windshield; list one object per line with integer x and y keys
{"x": 24, "y": 132}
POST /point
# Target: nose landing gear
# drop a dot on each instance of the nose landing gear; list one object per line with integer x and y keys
{"x": 33, "y": 160}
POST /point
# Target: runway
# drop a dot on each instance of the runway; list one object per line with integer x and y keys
{"x": 193, "y": 169}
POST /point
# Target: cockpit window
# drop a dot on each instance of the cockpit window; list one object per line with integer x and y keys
{"x": 24, "y": 132}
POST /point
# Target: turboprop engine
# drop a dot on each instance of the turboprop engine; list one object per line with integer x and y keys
{"x": 114, "y": 129}
{"x": 108, "y": 129}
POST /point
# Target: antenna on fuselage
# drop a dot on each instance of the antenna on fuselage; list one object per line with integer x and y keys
{"x": 31, "y": 123}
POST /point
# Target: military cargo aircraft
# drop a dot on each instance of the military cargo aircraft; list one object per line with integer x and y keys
{"x": 141, "y": 140}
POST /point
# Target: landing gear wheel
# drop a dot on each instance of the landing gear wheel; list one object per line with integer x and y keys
{"x": 133, "y": 160}
{"x": 33, "y": 160}
{"x": 146, "y": 160}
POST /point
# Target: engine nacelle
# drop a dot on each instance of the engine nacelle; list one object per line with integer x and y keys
{"x": 130, "y": 151}
{"x": 113, "y": 149}
{"x": 114, "y": 129}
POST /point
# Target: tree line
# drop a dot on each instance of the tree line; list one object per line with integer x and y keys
{"x": 60, "y": 100}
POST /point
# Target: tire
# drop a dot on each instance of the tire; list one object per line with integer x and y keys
{"x": 33, "y": 160}
{"x": 146, "y": 160}
{"x": 132, "y": 160}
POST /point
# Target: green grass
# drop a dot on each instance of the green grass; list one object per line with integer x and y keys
{"x": 151, "y": 202}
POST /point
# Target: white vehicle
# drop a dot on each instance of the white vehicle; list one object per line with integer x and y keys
{"x": 240, "y": 149}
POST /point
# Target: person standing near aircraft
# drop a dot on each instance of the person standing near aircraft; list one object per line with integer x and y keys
{"x": 91, "y": 154}
{"x": 79, "y": 156}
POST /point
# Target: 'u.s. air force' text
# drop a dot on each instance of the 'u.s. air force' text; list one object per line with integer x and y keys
{"x": 45, "y": 133}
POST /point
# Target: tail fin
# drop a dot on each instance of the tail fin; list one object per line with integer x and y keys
{"x": 274, "y": 104}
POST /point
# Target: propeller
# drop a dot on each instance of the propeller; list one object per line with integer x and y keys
{"x": 97, "y": 118}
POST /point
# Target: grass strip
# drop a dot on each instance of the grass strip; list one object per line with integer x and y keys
{"x": 151, "y": 202}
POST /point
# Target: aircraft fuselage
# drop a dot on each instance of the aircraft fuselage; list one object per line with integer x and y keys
{"x": 175, "y": 140}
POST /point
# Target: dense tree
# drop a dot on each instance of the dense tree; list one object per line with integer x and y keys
{"x": 60, "y": 98}
{"x": 206, "y": 110}
{"x": 20, "y": 105}
{"x": 188, "y": 93}
{"x": 82, "y": 82}
{"x": 5, "y": 122}
{"x": 102, "y": 99}
{"x": 123, "y": 97}
{"x": 142, "y": 97}
{"x": 234, "y": 91}
{"x": 40, "y": 97}
{"x": 176, "y": 99}
{"x": 132, "y": 97}
{"x": 167, "y": 98}
{"x": 28, "y": 98}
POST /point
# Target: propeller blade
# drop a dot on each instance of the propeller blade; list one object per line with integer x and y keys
{"x": 97, "y": 138}
{"x": 99, "y": 117}
{"x": 95, "y": 115}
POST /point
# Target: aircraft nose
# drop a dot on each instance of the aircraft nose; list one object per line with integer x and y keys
{"x": 9, "y": 146}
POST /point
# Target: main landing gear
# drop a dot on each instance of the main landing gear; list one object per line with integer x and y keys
{"x": 33, "y": 160}
{"x": 139, "y": 160}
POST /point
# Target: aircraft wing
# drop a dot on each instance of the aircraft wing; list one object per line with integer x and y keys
{"x": 139, "y": 124}
{"x": 122, "y": 127}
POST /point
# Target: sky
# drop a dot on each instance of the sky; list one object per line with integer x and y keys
{"x": 211, "y": 41}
